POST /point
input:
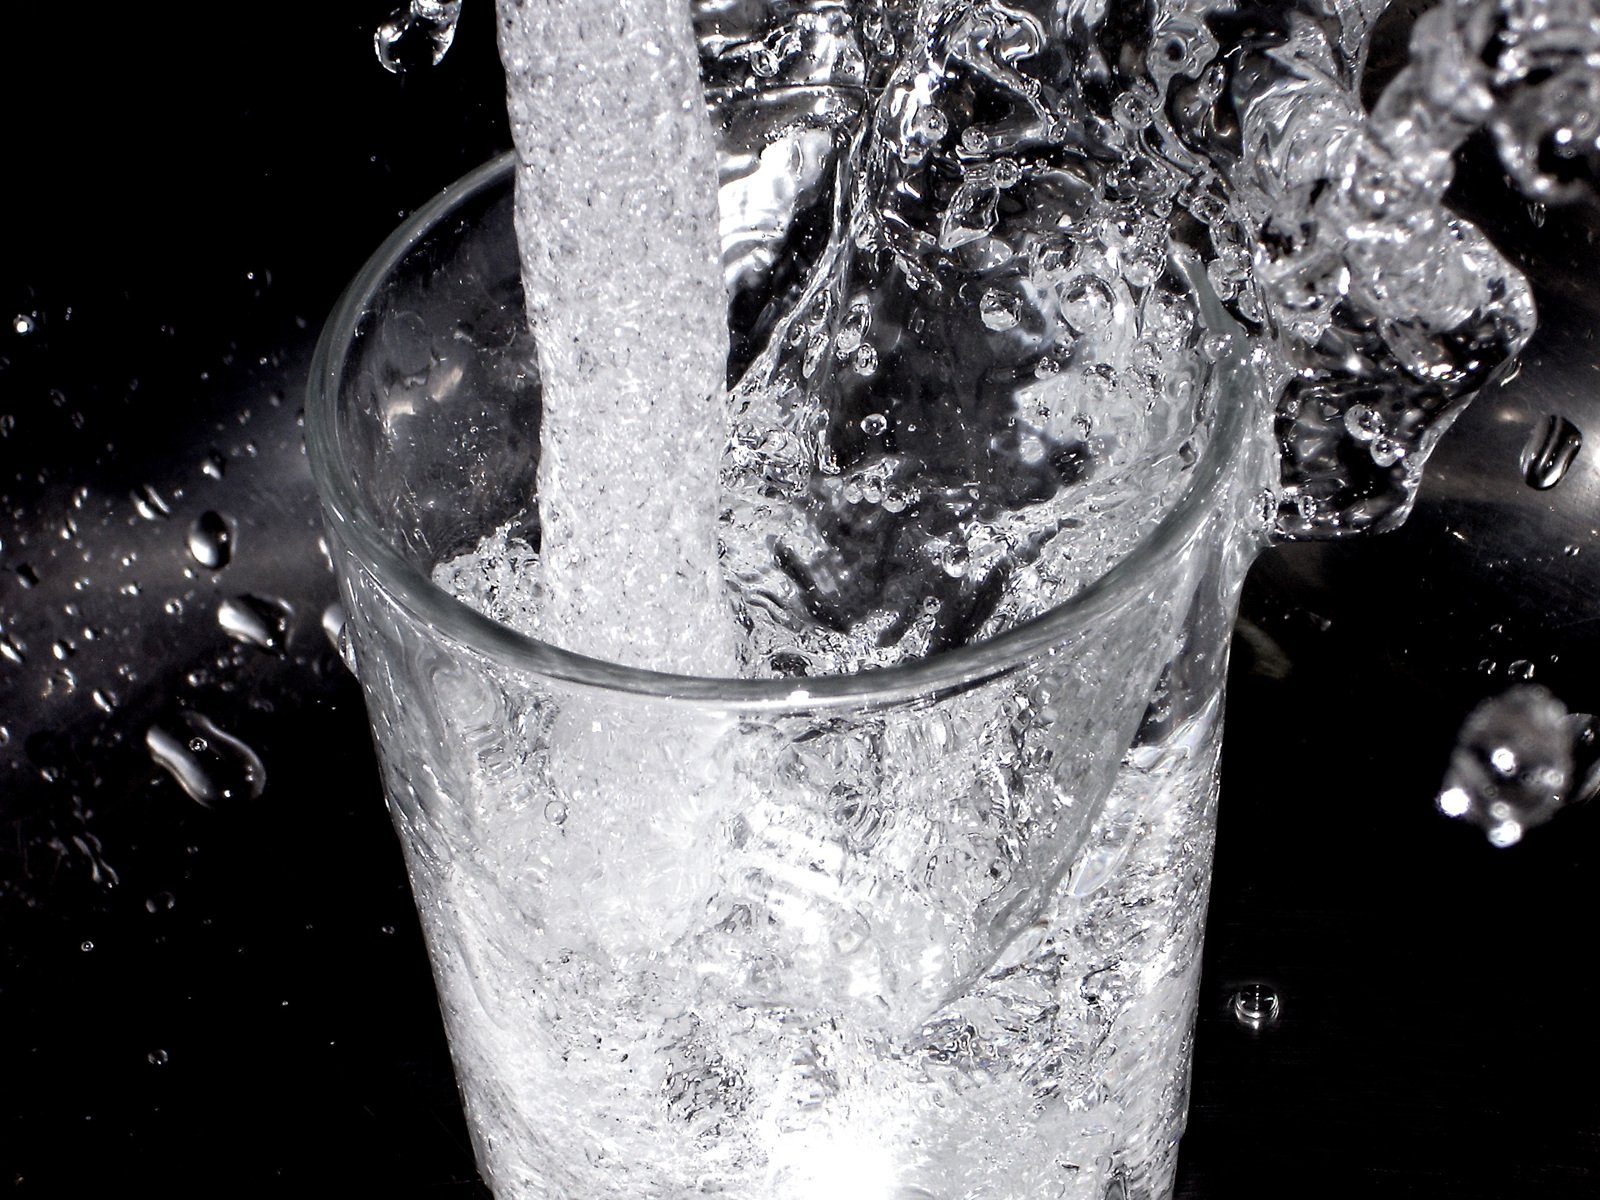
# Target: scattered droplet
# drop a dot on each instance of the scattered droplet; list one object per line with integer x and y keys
{"x": 161, "y": 902}
{"x": 211, "y": 766}
{"x": 874, "y": 424}
{"x": 157, "y": 1057}
{"x": 214, "y": 465}
{"x": 104, "y": 699}
{"x": 1549, "y": 451}
{"x": 420, "y": 32}
{"x": 1519, "y": 758}
{"x": 23, "y": 324}
{"x": 211, "y": 540}
{"x": 255, "y": 621}
{"x": 86, "y": 945}
{"x": 150, "y": 504}
{"x": 11, "y": 650}
{"x": 1256, "y": 1006}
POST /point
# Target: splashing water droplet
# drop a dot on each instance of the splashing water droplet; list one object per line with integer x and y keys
{"x": 1256, "y": 1006}
{"x": 1549, "y": 451}
{"x": 1519, "y": 758}
{"x": 211, "y": 540}
{"x": 256, "y": 621}
{"x": 419, "y": 33}
{"x": 211, "y": 766}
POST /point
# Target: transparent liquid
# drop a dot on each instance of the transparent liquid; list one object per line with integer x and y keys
{"x": 741, "y": 993}
{"x": 990, "y": 264}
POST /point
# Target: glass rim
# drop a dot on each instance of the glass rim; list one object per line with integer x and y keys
{"x": 949, "y": 670}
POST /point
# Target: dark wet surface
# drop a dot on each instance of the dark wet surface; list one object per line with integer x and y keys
{"x": 232, "y": 998}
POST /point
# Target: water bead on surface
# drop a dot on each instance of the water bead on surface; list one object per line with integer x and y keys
{"x": 213, "y": 767}
{"x": 1255, "y": 1006}
{"x": 1551, "y": 449}
{"x": 211, "y": 540}
{"x": 259, "y": 621}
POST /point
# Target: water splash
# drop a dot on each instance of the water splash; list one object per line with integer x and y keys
{"x": 1550, "y": 451}
{"x": 1519, "y": 759}
{"x": 420, "y": 33}
{"x": 211, "y": 765}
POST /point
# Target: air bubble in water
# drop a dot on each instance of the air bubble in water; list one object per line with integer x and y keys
{"x": 211, "y": 766}
{"x": 211, "y": 540}
{"x": 161, "y": 902}
{"x": 214, "y": 465}
{"x": 255, "y": 621}
{"x": 421, "y": 31}
{"x": 1000, "y": 310}
{"x": 1549, "y": 451}
{"x": 1520, "y": 756}
{"x": 874, "y": 424}
{"x": 157, "y": 1058}
{"x": 23, "y": 324}
{"x": 336, "y": 628}
{"x": 1087, "y": 303}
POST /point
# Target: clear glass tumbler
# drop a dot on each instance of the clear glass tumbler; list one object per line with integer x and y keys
{"x": 929, "y": 932}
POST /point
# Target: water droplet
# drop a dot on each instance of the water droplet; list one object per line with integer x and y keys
{"x": 211, "y": 540}
{"x": 161, "y": 902}
{"x": 211, "y": 766}
{"x": 150, "y": 504}
{"x": 874, "y": 424}
{"x": 255, "y": 621}
{"x": 865, "y": 360}
{"x": 1087, "y": 303}
{"x": 1256, "y": 1006}
{"x": 1549, "y": 451}
{"x": 104, "y": 699}
{"x": 555, "y": 812}
{"x": 11, "y": 650}
{"x": 86, "y": 945}
{"x": 23, "y": 324}
{"x": 214, "y": 465}
{"x": 999, "y": 310}
{"x": 420, "y": 32}
{"x": 1516, "y": 762}
{"x": 157, "y": 1057}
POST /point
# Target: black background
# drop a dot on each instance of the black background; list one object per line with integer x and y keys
{"x": 185, "y": 189}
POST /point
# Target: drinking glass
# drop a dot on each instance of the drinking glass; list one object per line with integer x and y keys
{"x": 927, "y": 931}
